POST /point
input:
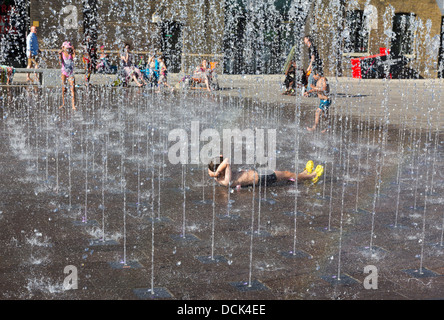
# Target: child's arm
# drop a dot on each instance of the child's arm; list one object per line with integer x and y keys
{"x": 320, "y": 88}
{"x": 226, "y": 169}
{"x": 61, "y": 58}
{"x": 223, "y": 166}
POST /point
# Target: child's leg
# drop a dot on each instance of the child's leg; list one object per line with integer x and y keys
{"x": 63, "y": 91}
{"x": 304, "y": 175}
{"x": 73, "y": 92}
{"x": 325, "y": 121}
{"x": 287, "y": 175}
{"x": 28, "y": 75}
{"x": 36, "y": 66}
{"x": 317, "y": 116}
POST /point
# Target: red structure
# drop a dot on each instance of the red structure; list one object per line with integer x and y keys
{"x": 368, "y": 67}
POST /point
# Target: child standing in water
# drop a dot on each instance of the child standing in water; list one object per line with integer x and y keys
{"x": 67, "y": 55}
{"x": 163, "y": 73}
{"x": 323, "y": 90}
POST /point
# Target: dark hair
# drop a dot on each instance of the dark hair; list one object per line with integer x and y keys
{"x": 309, "y": 38}
{"x": 317, "y": 72}
{"x": 214, "y": 165}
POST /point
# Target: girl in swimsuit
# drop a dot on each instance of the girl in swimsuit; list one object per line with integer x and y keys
{"x": 67, "y": 55}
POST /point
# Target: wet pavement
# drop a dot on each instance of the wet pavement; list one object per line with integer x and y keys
{"x": 371, "y": 228}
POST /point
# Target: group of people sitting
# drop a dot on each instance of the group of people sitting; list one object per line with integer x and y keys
{"x": 154, "y": 72}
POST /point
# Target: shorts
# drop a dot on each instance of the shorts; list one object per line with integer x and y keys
{"x": 324, "y": 105}
{"x": 33, "y": 60}
{"x": 267, "y": 179}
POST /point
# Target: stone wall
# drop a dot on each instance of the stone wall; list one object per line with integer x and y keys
{"x": 327, "y": 28}
{"x": 119, "y": 22}
{"x": 202, "y": 28}
{"x": 56, "y": 21}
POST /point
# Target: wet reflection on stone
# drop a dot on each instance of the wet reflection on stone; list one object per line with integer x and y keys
{"x": 100, "y": 177}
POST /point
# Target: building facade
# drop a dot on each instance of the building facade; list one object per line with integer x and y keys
{"x": 351, "y": 29}
{"x": 183, "y": 31}
{"x": 244, "y": 36}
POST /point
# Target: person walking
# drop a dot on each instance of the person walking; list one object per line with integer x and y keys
{"x": 32, "y": 50}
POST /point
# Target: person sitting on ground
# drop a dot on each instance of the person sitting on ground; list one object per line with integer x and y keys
{"x": 223, "y": 174}
{"x": 203, "y": 73}
{"x": 294, "y": 77}
{"x": 323, "y": 91}
{"x": 290, "y": 76}
{"x": 103, "y": 65}
{"x": 130, "y": 72}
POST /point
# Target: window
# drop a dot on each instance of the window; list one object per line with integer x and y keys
{"x": 403, "y": 29}
{"x": 356, "y": 32}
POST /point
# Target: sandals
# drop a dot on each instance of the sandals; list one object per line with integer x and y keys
{"x": 319, "y": 171}
{"x": 309, "y": 166}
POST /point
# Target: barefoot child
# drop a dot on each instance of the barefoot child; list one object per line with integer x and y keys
{"x": 323, "y": 90}
{"x": 223, "y": 174}
{"x": 163, "y": 74}
{"x": 67, "y": 55}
